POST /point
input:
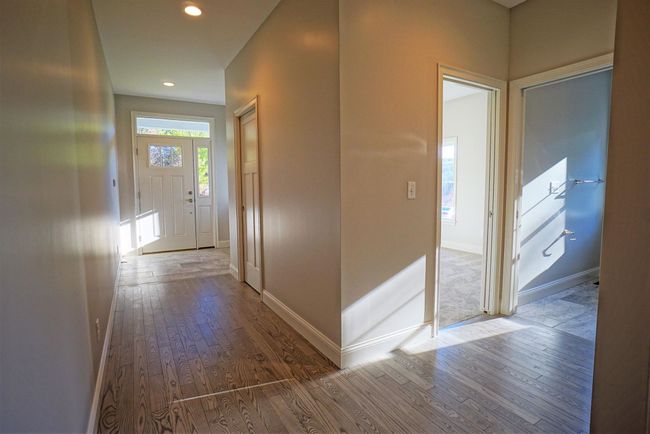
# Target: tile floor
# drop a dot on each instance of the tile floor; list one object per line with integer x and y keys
{"x": 572, "y": 310}
{"x": 170, "y": 266}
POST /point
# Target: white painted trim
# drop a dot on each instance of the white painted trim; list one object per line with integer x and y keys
{"x": 94, "y": 407}
{"x": 495, "y": 185}
{"x": 251, "y": 105}
{"x": 324, "y": 344}
{"x": 234, "y": 272}
{"x": 509, "y": 283}
{"x": 223, "y": 244}
{"x": 463, "y": 247}
{"x": 557, "y": 285}
{"x": 380, "y": 347}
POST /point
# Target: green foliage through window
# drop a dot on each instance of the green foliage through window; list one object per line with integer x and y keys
{"x": 203, "y": 171}
{"x": 172, "y": 127}
{"x": 172, "y": 132}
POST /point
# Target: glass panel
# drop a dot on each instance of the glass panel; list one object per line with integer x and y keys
{"x": 249, "y": 139}
{"x": 165, "y": 156}
{"x": 449, "y": 178}
{"x": 203, "y": 167}
{"x": 172, "y": 127}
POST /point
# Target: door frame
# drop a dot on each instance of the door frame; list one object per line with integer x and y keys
{"x": 496, "y": 153}
{"x": 250, "y": 106}
{"x": 516, "y": 117}
{"x": 136, "y": 172}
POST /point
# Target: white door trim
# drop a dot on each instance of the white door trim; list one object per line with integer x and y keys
{"x": 251, "y": 105}
{"x": 493, "y": 247}
{"x": 136, "y": 175}
{"x": 516, "y": 115}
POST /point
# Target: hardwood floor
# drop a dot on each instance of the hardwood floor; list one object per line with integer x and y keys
{"x": 202, "y": 354}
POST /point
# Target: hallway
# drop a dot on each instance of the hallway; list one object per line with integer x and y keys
{"x": 184, "y": 339}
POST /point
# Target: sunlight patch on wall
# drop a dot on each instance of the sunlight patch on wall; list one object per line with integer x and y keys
{"x": 383, "y": 309}
{"x": 543, "y": 219}
{"x": 149, "y": 226}
{"x": 126, "y": 244}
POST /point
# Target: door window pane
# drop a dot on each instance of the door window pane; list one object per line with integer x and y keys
{"x": 449, "y": 146}
{"x": 165, "y": 156}
{"x": 203, "y": 167}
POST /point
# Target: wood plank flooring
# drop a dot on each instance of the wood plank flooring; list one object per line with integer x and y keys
{"x": 200, "y": 353}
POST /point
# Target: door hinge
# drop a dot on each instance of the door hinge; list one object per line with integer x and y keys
{"x": 140, "y": 238}
{"x": 138, "y": 195}
{"x": 137, "y": 151}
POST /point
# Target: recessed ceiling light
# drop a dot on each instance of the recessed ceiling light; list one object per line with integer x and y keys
{"x": 193, "y": 10}
{"x": 168, "y": 83}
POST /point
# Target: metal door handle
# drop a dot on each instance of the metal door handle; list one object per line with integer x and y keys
{"x": 190, "y": 200}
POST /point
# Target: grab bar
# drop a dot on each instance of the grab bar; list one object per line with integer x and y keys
{"x": 565, "y": 233}
{"x": 588, "y": 181}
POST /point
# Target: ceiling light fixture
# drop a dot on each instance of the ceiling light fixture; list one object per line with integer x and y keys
{"x": 168, "y": 83}
{"x": 193, "y": 11}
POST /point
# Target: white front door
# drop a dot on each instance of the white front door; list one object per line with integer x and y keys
{"x": 166, "y": 187}
{"x": 251, "y": 200}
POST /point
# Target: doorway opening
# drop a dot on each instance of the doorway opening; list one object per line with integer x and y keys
{"x": 465, "y": 131}
{"x": 471, "y": 140}
{"x": 563, "y": 156}
{"x": 174, "y": 183}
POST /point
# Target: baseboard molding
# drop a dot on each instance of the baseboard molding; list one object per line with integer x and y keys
{"x": 94, "y": 409}
{"x": 223, "y": 244}
{"x": 380, "y": 347}
{"x": 324, "y": 344}
{"x": 556, "y": 286}
{"x": 234, "y": 271}
{"x": 463, "y": 247}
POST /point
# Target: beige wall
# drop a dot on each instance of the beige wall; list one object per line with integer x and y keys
{"x": 389, "y": 52}
{"x": 291, "y": 63}
{"x": 546, "y": 34}
{"x": 620, "y": 394}
{"x": 58, "y": 238}
{"x": 124, "y": 105}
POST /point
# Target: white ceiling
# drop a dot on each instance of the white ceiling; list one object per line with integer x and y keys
{"x": 149, "y": 41}
{"x": 509, "y": 3}
{"x": 452, "y": 90}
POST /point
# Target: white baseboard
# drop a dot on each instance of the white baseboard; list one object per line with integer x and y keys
{"x": 556, "y": 286}
{"x": 94, "y": 409}
{"x": 324, "y": 344}
{"x": 380, "y": 347}
{"x": 223, "y": 244}
{"x": 463, "y": 247}
{"x": 234, "y": 271}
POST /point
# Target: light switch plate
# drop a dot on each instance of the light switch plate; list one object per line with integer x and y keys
{"x": 410, "y": 190}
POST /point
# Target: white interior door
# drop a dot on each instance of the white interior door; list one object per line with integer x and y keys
{"x": 166, "y": 188}
{"x": 204, "y": 193}
{"x": 251, "y": 200}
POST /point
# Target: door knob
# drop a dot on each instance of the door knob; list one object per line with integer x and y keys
{"x": 190, "y": 200}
